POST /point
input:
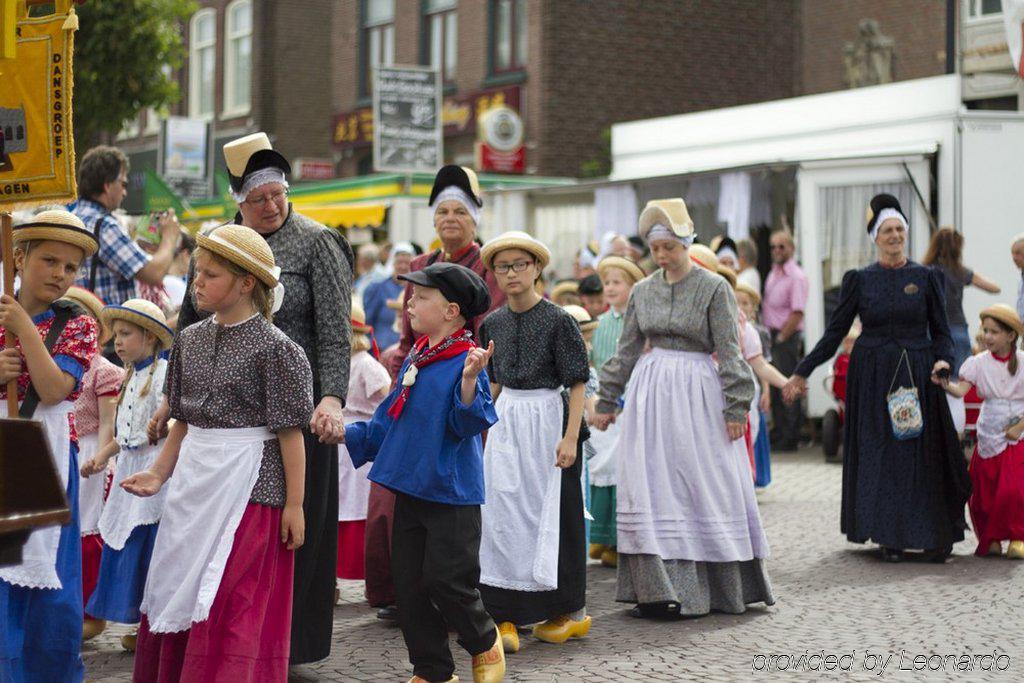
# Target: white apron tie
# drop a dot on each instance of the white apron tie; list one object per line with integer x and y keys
{"x": 38, "y": 566}
{"x": 520, "y": 519}
{"x": 206, "y": 498}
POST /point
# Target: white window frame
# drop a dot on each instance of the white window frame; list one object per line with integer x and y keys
{"x": 972, "y": 12}
{"x": 234, "y": 109}
{"x": 193, "y": 70}
{"x": 446, "y": 15}
{"x": 379, "y": 34}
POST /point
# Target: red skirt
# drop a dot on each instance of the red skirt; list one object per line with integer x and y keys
{"x": 351, "y": 549}
{"x": 997, "y": 497}
{"x": 247, "y": 635}
{"x": 92, "y": 549}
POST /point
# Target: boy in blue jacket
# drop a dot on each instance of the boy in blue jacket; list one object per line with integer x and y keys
{"x": 424, "y": 442}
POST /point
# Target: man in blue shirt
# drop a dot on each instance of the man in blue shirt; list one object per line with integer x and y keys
{"x": 377, "y": 295}
{"x": 425, "y": 444}
{"x": 111, "y": 273}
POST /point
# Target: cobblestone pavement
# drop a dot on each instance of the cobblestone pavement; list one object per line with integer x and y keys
{"x": 833, "y": 598}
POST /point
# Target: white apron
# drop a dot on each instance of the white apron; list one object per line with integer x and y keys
{"x": 353, "y": 485}
{"x": 206, "y": 498}
{"x": 124, "y": 511}
{"x": 996, "y": 415}
{"x": 520, "y": 519}
{"x": 38, "y": 567}
{"x": 684, "y": 488}
{"x": 603, "y": 463}
{"x": 90, "y": 489}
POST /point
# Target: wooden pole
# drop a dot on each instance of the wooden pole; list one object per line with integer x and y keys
{"x": 7, "y": 247}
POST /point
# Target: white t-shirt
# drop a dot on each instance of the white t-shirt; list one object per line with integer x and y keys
{"x": 175, "y": 287}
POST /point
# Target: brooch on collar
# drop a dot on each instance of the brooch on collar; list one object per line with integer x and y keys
{"x": 910, "y": 289}
{"x": 410, "y": 376}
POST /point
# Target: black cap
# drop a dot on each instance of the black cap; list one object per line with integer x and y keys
{"x": 880, "y": 202}
{"x": 726, "y": 243}
{"x": 591, "y": 285}
{"x": 458, "y": 284}
{"x": 452, "y": 175}
{"x": 261, "y": 159}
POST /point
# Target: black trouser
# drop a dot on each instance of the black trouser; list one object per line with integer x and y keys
{"x": 435, "y": 561}
{"x": 788, "y": 419}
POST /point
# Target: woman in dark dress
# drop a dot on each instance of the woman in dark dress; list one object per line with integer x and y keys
{"x": 906, "y": 494}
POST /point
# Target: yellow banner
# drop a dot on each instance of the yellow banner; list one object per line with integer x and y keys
{"x": 37, "y": 149}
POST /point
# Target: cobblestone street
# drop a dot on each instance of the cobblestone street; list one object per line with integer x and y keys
{"x": 833, "y": 598}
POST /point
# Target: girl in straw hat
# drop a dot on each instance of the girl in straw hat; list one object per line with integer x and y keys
{"x": 748, "y": 300}
{"x": 997, "y": 466}
{"x": 533, "y": 544}
{"x": 689, "y": 533}
{"x": 41, "y": 596}
{"x": 368, "y": 386}
{"x": 95, "y": 412}
{"x": 618, "y": 276}
{"x": 128, "y": 525}
{"x": 240, "y": 393}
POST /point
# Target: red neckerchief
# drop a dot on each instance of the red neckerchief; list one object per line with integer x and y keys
{"x": 421, "y": 356}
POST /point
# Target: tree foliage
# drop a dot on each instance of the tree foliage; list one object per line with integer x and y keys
{"x": 121, "y": 49}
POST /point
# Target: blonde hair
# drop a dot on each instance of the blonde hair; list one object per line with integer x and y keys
{"x": 262, "y": 296}
{"x": 361, "y": 342}
{"x": 130, "y": 367}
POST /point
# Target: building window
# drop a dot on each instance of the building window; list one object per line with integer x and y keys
{"x": 442, "y": 26}
{"x": 238, "y": 58}
{"x": 202, "y": 63}
{"x": 378, "y": 38}
{"x": 978, "y": 9}
{"x": 508, "y": 39}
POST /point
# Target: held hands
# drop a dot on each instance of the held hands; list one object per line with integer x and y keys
{"x": 938, "y": 376}
{"x": 735, "y": 430}
{"x": 13, "y": 317}
{"x": 328, "y": 421}
{"x": 293, "y": 526}
{"x": 601, "y": 421}
{"x": 565, "y": 454}
{"x": 93, "y": 466}
{"x": 156, "y": 428}
{"x": 794, "y": 389}
{"x": 765, "y": 402}
{"x": 10, "y": 365}
{"x": 143, "y": 484}
{"x": 476, "y": 360}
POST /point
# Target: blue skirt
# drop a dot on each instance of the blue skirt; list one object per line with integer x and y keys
{"x": 41, "y": 628}
{"x": 122, "y": 578}
{"x": 762, "y": 455}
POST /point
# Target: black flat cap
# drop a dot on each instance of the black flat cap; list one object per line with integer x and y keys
{"x": 458, "y": 176}
{"x": 458, "y": 284}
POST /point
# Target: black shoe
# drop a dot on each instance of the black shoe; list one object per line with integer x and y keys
{"x": 939, "y": 555}
{"x": 656, "y": 610}
{"x": 892, "y": 554}
{"x": 389, "y": 613}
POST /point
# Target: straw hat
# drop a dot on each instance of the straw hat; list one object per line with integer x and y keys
{"x": 251, "y": 153}
{"x": 358, "y": 316}
{"x": 515, "y": 239}
{"x": 1006, "y": 315}
{"x": 704, "y": 257}
{"x": 728, "y": 273}
{"x": 671, "y": 213}
{"x": 145, "y": 314}
{"x": 581, "y": 316}
{"x": 749, "y": 291}
{"x": 565, "y": 287}
{"x": 246, "y": 249}
{"x": 82, "y": 297}
{"x": 632, "y": 270}
{"x": 57, "y": 225}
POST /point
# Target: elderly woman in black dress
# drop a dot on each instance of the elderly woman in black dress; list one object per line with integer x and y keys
{"x": 900, "y": 493}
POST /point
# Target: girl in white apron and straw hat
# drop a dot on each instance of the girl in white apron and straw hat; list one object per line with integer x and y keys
{"x": 689, "y": 532}
{"x": 128, "y": 525}
{"x": 41, "y": 596}
{"x": 217, "y": 606}
{"x": 533, "y": 544}
{"x": 95, "y": 412}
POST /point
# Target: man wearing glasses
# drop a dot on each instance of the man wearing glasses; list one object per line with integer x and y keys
{"x": 785, "y": 298}
{"x": 111, "y": 274}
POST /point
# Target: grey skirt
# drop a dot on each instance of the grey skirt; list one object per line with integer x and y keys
{"x": 697, "y": 587}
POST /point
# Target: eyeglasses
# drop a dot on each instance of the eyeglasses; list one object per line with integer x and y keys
{"x": 275, "y": 197}
{"x": 518, "y": 266}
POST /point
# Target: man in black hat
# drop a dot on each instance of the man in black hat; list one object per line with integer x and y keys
{"x": 424, "y": 442}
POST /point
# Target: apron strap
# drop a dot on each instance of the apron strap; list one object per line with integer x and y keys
{"x": 61, "y": 317}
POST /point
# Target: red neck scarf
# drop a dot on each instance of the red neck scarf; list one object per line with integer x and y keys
{"x": 422, "y": 356}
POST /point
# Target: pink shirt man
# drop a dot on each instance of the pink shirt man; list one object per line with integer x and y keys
{"x": 785, "y": 291}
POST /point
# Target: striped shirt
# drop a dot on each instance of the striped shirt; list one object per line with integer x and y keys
{"x": 606, "y": 337}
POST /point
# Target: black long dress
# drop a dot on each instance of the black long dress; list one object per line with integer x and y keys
{"x": 900, "y": 494}
{"x": 316, "y": 271}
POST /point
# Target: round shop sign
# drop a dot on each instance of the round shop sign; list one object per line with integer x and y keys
{"x": 502, "y": 129}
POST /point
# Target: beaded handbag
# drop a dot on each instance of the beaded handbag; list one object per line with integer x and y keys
{"x": 905, "y": 406}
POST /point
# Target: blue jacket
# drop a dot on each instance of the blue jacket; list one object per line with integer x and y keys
{"x": 375, "y": 304}
{"x": 433, "y": 450}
